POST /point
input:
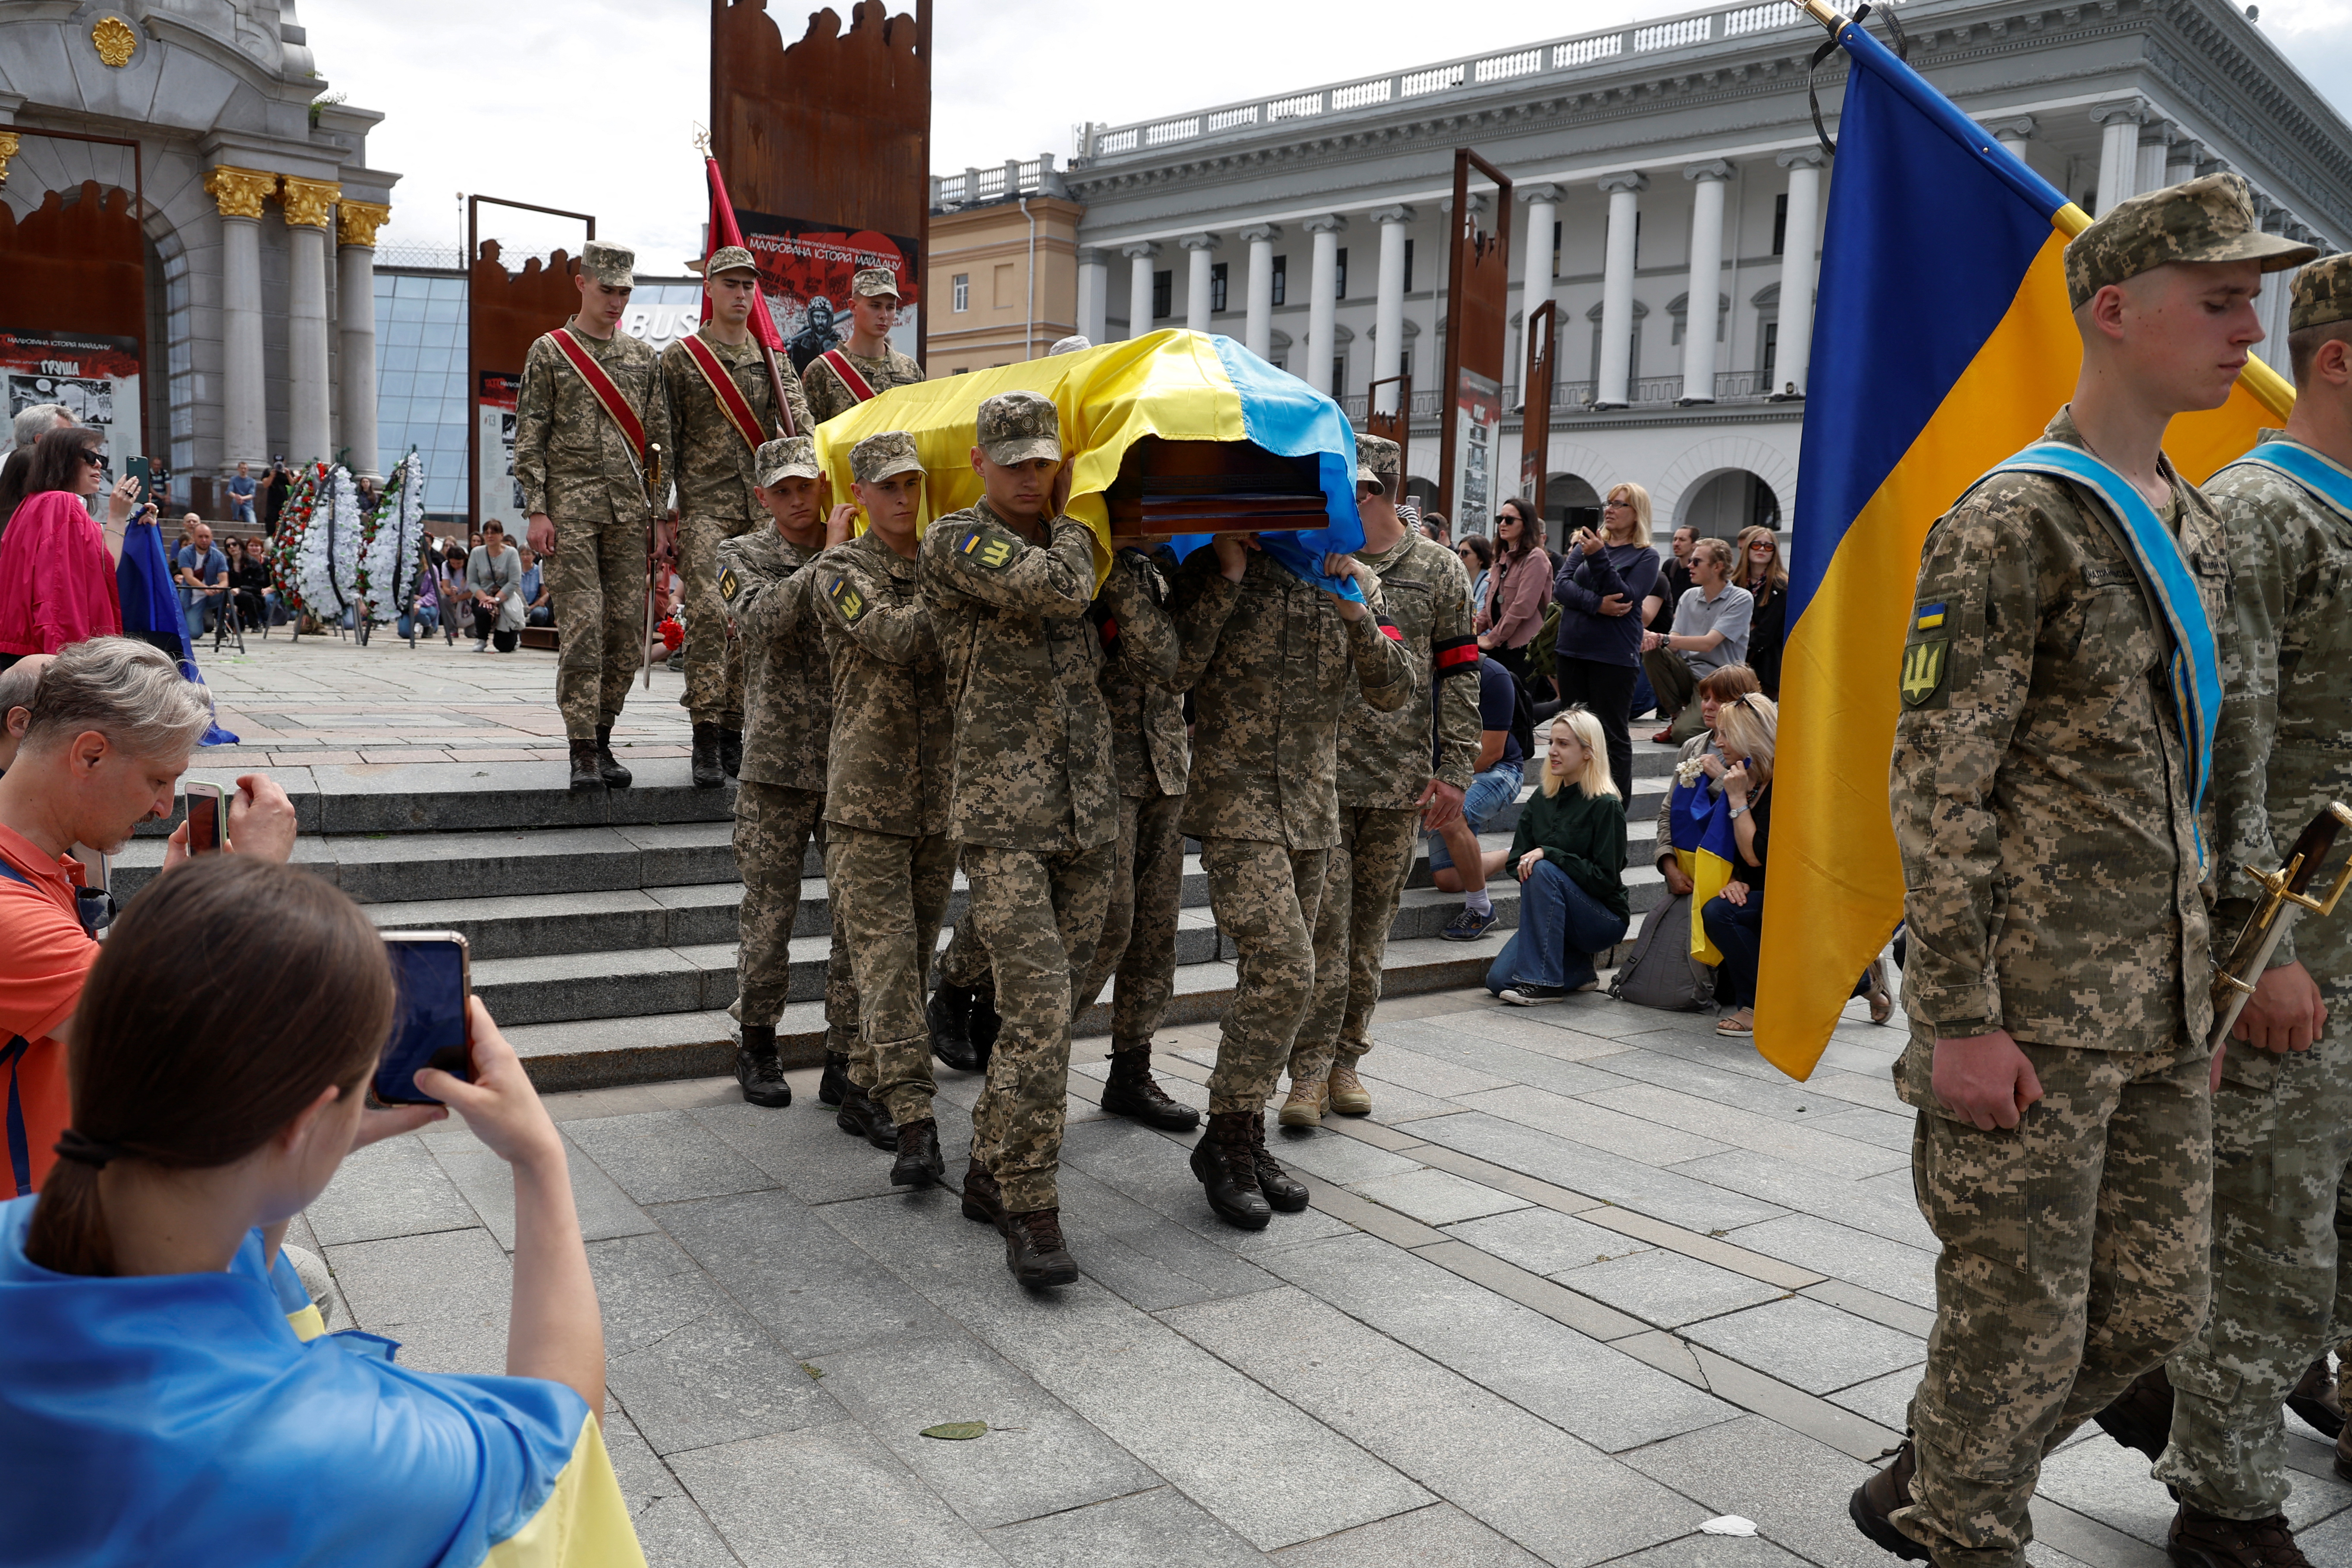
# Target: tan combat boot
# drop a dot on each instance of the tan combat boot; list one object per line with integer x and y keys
{"x": 1305, "y": 1106}
{"x": 1348, "y": 1095}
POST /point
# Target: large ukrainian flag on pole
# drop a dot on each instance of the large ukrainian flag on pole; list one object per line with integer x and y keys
{"x": 1943, "y": 344}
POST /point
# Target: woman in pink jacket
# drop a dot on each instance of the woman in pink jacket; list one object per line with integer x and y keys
{"x": 1518, "y": 589}
{"x": 57, "y": 565}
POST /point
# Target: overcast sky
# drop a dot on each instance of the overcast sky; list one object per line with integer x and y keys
{"x": 593, "y": 106}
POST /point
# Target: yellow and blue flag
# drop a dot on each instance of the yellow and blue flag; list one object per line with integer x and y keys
{"x": 1699, "y": 824}
{"x": 1943, "y": 343}
{"x": 1175, "y": 384}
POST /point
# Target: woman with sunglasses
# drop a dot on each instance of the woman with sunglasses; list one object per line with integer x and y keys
{"x": 1511, "y": 613}
{"x": 1760, "y": 571}
{"x": 1603, "y": 579}
{"x": 56, "y": 564}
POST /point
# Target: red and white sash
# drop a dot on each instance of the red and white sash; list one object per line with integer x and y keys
{"x": 731, "y": 400}
{"x": 607, "y": 393}
{"x": 859, "y": 387}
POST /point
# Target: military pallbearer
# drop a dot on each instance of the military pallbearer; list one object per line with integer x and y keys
{"x": 848, "y": 373}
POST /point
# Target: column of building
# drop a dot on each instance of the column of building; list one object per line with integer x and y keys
{"x": 1388, "y": 306}
{"x": 1793, "y": 359}
{"x": 2155, "y": 152}
{"x": 2014, "y": 133}
{"x": 1322, "y": 300}
{"x": 1140, "y": 257}
{"x": 1257, "y": 321}
{"x": 1613, "y": 375}
{"x": 356, "y": 226}
{"x": 310, "y": 208}
{"x": 245, "y": 399}
{"x": 1094, "y": 295}
{"x": 1699, "y": 299}
{"x": 1198, "y": 277}
{"x": 1535, "y": 282}
{"x": 2118, "y": 151}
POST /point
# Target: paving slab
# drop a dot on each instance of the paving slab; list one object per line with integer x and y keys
{"x": 1544, "y": 1242}
{"x": 444, "y": 1295}
{"x": 828, "y": 1497}
{"x": 1161, "y": 1525}
{"x": 670, "y": 1527}
{"x": 1793, "y": 1488}
{"x": 1439, "y": 1537}
{"x": 487, "y": 1183}
{"x": 663, "y": 1157}
{"x": 1595, "y": 1126}
{"x": 1889, "y": 1268}
{"x": 392, "y": 1188}
{"x": 1667, "y": 1288}
{"x": 1809, "y": 1345}
{"x": 1436, "y": 1197}
{"x": 1596, "y": 1173}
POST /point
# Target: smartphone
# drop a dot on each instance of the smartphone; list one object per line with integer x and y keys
{"x": 431, "y": 976}
{"x": 206, "y": 824}
{"x": 142, "y": 470}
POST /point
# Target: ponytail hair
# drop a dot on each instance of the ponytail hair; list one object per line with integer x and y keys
{"x": 173, "y": 1067}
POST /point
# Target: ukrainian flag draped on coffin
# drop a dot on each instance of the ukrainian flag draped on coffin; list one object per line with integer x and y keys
{"x": 1943, "y": 345}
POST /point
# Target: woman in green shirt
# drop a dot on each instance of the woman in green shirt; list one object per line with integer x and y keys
{"x": 1570, "y": 857}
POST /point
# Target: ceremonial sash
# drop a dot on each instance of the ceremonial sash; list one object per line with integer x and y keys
{"x": 731, "y": 400}
{"x": 859, "y": 387}
{"x": 2328, "y": 483}
{"x": 603, "y": 386}
{"x": 2196, "y": 666}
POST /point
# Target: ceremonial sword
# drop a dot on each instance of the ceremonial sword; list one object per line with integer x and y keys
{"x": 2286, "y": 893}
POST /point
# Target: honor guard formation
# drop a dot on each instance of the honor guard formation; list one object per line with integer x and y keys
{"x": 2123, "y": 695}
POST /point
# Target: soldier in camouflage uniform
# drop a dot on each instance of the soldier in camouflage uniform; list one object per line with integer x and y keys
{"x": 962, "y": 1011}
{"x": 1270, "y": 660}
{"x": 889, "y": 861}
{"x": 2058, "y": 965}
{"x": 873, "y": 312}
{"x": 2283, "y": 1117}
{"x": 582, "y": 485}
{"x": 1386, "y": 785}
{"x": 780, "y": 802}
{"x": 714, "y": 473}
{"x": 1008, "y": 580}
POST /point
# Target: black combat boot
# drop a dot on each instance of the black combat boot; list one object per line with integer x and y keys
{"x": 2201, "y": 1540}
{"x": 983, "y": 1200}
{"x": 2314, "y": 1399}
{"x": 1226, "y": 1164}
{"x": 758, "y": 1071}
{"x": 608, "y": 766}
{"x": 919, "y": 1163}
{"x": 2141, "y": 1416}
{"x": 731, "y": 752}
{"x": 1880, "y": 1496}
{"x": 949, "y": 1013}
{"x": 584, "y": 775}
{"x": 1034, "y": 1251}
{"x": 1281, "y": 1190}
{"x": 1131, "y": 1092}
{"x": 705, "y": 756}
{"x": 861, "y": 1114}
{"x": 833, "y": 1086}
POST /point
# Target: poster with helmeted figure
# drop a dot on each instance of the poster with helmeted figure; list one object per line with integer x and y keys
{"x": 805, "y": 269}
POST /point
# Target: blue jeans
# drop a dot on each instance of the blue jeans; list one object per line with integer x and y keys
{"x": 1644, "y": 699}
{"x": 1489, "y": 794}
{"x": 1561, "y": 926}
{"x": 201, "y": 609}
{"x": 1737, "y": 932}
{"x": 241, "y": 507}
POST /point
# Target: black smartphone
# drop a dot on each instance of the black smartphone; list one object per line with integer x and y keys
{"x": 139, "y": 468}
{"x": 205, "y": 831}
{"x": 432, "y": 977}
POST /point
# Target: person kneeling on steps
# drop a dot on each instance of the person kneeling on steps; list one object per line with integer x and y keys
{"x": 1570, "y": 857}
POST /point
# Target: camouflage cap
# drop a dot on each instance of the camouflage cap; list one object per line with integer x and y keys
{"x": 877, "y": 457}
{"x": 874, "y": 283}
{"x": 1014, "y": 426}
{"x": 793, "y": 458}
{"x": 613, "y": 266}
{"x": 729, "y": 258}
{"x": 1376, "y": 461}
{"x": 2322, "y": 294}
{"x": 2203, "y": 220}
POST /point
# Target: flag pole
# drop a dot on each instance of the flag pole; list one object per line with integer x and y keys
{"x": 768, "y": 355}
{"x": 1822, "y": 11}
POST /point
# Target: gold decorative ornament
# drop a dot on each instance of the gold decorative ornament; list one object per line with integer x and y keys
{"x": 114, "y": 41}
{"x": 307, "y": 200}
{"x": 356, "y": 222}
{"x": 8, "y": 145}
{"x": 239, "y": 192}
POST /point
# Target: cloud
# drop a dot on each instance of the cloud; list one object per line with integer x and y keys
{"x": 593, "y": 106}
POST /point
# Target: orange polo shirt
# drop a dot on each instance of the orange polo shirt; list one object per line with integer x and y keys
{"x": 43, "y": 959}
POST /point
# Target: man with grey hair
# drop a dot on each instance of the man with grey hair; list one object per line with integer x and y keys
{"x": 110, "y": 729}
{"x": 32, "y": 423}
{"x": 17, "y": 683}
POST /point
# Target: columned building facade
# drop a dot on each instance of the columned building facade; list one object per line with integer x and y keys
{"x": 256, "y": 231}
{"x": 1669, "y": 194}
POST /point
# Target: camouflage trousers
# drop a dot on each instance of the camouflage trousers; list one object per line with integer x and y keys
{"x": 1139, "y": 933}
{"x": 1265, "y": 898}
{"x": 1038, "y": 916}
{"x": 1360, "y": 895}
{"x": 773, "y": 825}
{"x": 597, "y": 579}
{"x": 888, "y": 894}
{"x": 965, "y": 962}
{"x": 714, "y": 661}
{"x": 2281, "y": 1220}
{"x": 2074, "y": 1259}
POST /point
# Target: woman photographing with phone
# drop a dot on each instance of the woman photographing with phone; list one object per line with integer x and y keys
{"x": 57, "y": 565}
{"x": 161, "y": 1404}
{"x": 1603, "y": 578}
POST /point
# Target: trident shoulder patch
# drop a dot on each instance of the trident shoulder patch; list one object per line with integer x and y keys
{"x": 730, "y": 584}
{"x": 847, "y": 600}
{"x": 1924, "y": 666}
{"x": 989, "y": 550}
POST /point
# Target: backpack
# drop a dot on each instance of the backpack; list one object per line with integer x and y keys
{"x": 1661, "y": 972}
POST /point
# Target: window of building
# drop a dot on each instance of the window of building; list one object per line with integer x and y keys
{"x": 1281, "y": 285}
{"x": 1163, "y": 292}
{"x": 1780, "y": 223}
{"x": 1338, "y": 376}
{"x": 1404, "y": 364}
{"x": 1339, "y": 287}
{"x": 963, "y": 293}
{"x": 1556, "y": 231}
{"x": 1767, "y": 360}
{"x": 1408, "y": 266}
{"x": 1217, "y": 286}
{"x": 1637, "y": 238}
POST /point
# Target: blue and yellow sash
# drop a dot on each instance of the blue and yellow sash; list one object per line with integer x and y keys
{"x": 2196, "y": 668}
{"x": 2328, "y": 483}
